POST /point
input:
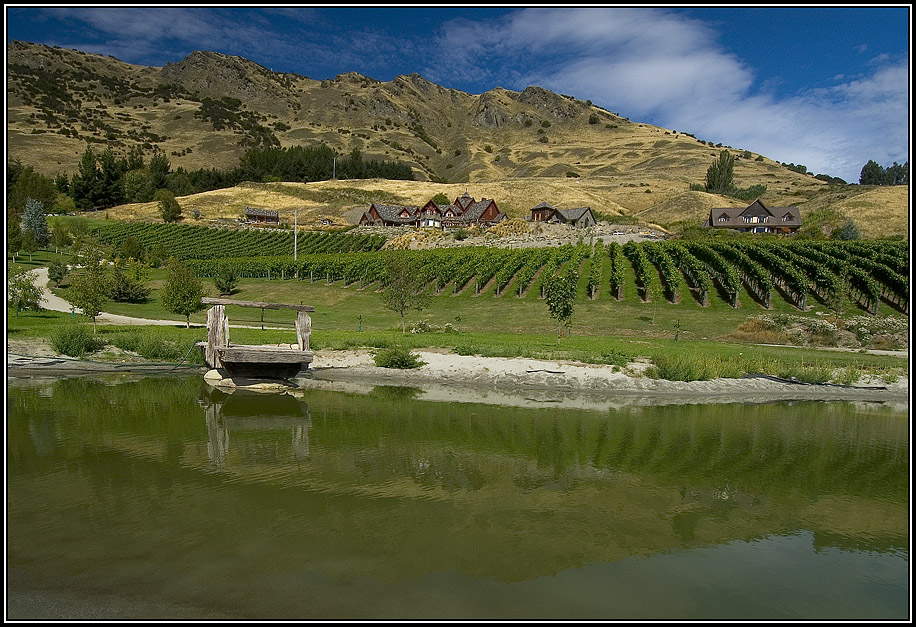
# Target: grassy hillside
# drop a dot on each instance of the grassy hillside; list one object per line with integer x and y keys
{"x": 207, "y": 109}
{"x": 879, "y": 212}
{"x": 520, "y": 148}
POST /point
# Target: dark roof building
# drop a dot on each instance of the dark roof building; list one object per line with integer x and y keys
{"x": 755, "y": 218}
{"x": 262, "y": 216}
{"x": 545, "y": 212}
{"x": 465, "y": 211}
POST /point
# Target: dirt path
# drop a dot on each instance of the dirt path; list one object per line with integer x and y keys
{"x": 55, "y": 303}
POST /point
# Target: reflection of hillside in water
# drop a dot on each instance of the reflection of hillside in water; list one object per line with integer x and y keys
{"x": 395, "y": 487}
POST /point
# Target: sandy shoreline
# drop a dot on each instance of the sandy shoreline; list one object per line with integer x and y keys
{"x": 447, "y": 371}
{"x": 566, "y": 379}
{"x": 449, "y": 377}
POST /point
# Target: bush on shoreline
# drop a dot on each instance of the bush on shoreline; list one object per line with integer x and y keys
{"x": 397, "y": 357}
{"x": 75, "y": 340}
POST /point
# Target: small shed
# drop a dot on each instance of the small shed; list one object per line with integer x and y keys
{"x": 254, "y": 215}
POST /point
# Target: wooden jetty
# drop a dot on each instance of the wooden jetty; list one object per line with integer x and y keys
{"x": 260, "y": 362}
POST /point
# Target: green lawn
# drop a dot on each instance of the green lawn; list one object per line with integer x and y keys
{"x": 604, "y": 330}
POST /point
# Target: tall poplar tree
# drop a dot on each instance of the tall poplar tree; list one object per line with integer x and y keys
{"x": 720, "y": 177}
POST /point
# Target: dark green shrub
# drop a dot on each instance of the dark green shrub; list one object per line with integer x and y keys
{"x": 397, "y": 357}
{"x": 467, "y": 349}
{"x": 151, "y": 345}
{"x": 75, "y": 340}
{"x": 226, "y": 279}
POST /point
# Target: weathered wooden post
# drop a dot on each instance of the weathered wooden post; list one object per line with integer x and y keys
{"x": 303, "y": 330}
{"x": 217, "y": 334}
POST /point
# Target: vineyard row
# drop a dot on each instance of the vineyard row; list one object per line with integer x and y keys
{"x": 662, "y": 270}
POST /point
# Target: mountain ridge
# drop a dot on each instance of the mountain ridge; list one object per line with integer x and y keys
{"x": 207, "y": 109}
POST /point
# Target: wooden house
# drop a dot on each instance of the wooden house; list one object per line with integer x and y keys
{"x": 579, "y": 218}
{"x": 755, "y": 218}
{"x": 267, "y": 217}
{"x": 464, "y": 212}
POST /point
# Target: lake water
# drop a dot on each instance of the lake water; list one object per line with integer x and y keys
{"x": 160, "y": 497}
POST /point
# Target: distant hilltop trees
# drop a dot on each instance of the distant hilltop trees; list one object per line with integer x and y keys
{"x": 874, "y": 174}
{"x": 104, "y": 180}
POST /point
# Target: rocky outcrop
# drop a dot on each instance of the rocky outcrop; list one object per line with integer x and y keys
{"x": 493, "y": 110}
{"x": 214, "y": 75}
{"x": 553, "y": 104}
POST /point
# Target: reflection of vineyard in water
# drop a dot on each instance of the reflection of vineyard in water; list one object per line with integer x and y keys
{"x": 689, "y": 474}
{"x": 868, "y": 271}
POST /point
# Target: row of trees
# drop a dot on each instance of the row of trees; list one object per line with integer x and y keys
{"x": 720, "y": 177}
{"x": 896, "y": 174}
{"x": 124, "y": 280}
{"x": 105, "y": 180}
{"x": 405, "y": 290}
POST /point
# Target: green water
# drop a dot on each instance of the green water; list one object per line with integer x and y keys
{"x": 163, "y": 498}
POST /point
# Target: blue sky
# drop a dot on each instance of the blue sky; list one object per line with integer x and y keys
{"x": 827, "y": 87}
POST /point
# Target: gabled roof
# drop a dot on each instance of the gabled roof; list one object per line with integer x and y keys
{"x": 476, "y": 210}
{"x": 562, "y": 215}
{"x": 254, "y": 211}
{"x": 543, "y": 205}
{"x": 392, "y": 213}
{"x": 735, "y": 215}
{"x": 574, "y": 215}
{"x": 464, "y": 200}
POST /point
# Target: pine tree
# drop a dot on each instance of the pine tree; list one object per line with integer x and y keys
{"x": 128, "y": 280}
{"x": 872, "y": 174}
{"x": 110, "y": 191}
{"x": 159, "y": 168}
{"x": 898, "y": 174}
{"x": 86, "y": 182}
{"x": 33, "y": 220}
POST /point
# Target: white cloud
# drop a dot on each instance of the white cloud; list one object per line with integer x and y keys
{"x": 651, "y": 65}
{"x": 659, "y": 67}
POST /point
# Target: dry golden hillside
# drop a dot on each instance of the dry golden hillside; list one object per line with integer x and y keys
{"x": 59, "y": 100}
{"x": 691, "y": 205}
{"x": 879, "y": 212}
{"x": 520, "y": 148}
